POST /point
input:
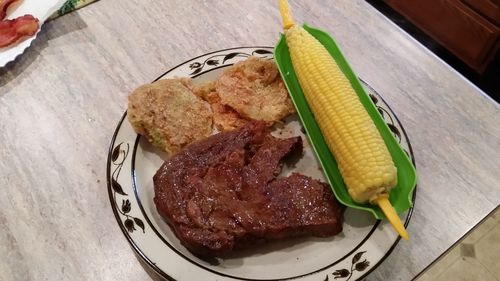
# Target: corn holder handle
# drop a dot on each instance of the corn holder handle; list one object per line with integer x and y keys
{"x": 401, "y": 194}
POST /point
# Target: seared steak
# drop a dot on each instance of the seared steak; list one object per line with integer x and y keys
{"x": 221, "y": 193}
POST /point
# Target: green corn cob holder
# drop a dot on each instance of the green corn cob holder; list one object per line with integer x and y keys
{"x": 401, "y": 195}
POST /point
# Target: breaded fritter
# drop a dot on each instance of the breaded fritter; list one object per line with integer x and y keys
{"x": 169, "y": 114}
{"x": 224, "y": 117}
{"x": 254, "y": 89}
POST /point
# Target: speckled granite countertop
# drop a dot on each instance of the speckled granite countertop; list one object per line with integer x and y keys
{"x": 60, "y": 102}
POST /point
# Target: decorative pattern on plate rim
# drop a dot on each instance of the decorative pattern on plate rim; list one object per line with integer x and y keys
{"x": 356, "y": 265}
{"x": 130, "y": 221}
{"x": 387, "y": 118}
{"x": 222, "y": 59}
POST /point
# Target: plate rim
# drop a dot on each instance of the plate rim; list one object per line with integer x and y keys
{"x": 165, "y": 275}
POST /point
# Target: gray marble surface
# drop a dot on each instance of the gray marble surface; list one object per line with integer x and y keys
{"x": 60, "y": 103}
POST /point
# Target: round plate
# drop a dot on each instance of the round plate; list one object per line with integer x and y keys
{"x": 132, "y": 162}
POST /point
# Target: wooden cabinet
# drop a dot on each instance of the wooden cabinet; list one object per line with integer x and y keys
{"x": 467, "y": 28}
{"x": 490, "y": 9}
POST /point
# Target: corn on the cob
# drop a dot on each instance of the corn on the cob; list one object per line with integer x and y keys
{"x": 362, "y": 156}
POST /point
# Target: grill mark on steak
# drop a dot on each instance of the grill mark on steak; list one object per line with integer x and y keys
{"x": 221, "y": 193}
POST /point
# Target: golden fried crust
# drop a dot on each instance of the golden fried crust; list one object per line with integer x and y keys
{"x": 224, "y": 117}
{"x": 254, "y": 89}
{"x": 168, "y": 114}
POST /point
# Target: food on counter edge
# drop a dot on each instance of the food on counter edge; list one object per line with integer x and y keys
{"x": 6, "y": 5}
{"x": 12, "y": 31}
{"x": 363, "y": 158}
{"x": 222, "y": 193}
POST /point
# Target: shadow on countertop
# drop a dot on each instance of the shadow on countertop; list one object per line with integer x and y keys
{"x": 15, "y": 71}
{"x": 488, "y": 81}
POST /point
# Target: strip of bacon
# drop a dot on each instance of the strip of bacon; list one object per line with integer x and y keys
{"x": 12, "y": 31}
{"x": 4, "y": 5}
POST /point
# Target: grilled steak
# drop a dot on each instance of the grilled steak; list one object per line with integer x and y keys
{"x": 222, "y": 193}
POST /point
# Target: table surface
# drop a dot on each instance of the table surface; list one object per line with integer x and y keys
{"x": 60, "y": 103}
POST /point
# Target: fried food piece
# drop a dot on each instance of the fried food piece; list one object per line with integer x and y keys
{"x": 169, "y": 114}
{"x": 254, "y": 89}
{"x": 224, "y": 117}
{"x": 12, "y": 31}
{"x": 248, "y": 90}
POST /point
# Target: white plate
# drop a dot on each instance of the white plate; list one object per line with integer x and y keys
{"x": 132, "y": 162}
{"x": 42, "y": 10}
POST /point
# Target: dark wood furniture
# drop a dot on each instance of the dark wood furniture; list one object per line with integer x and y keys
{"x": 470, "y": 29}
